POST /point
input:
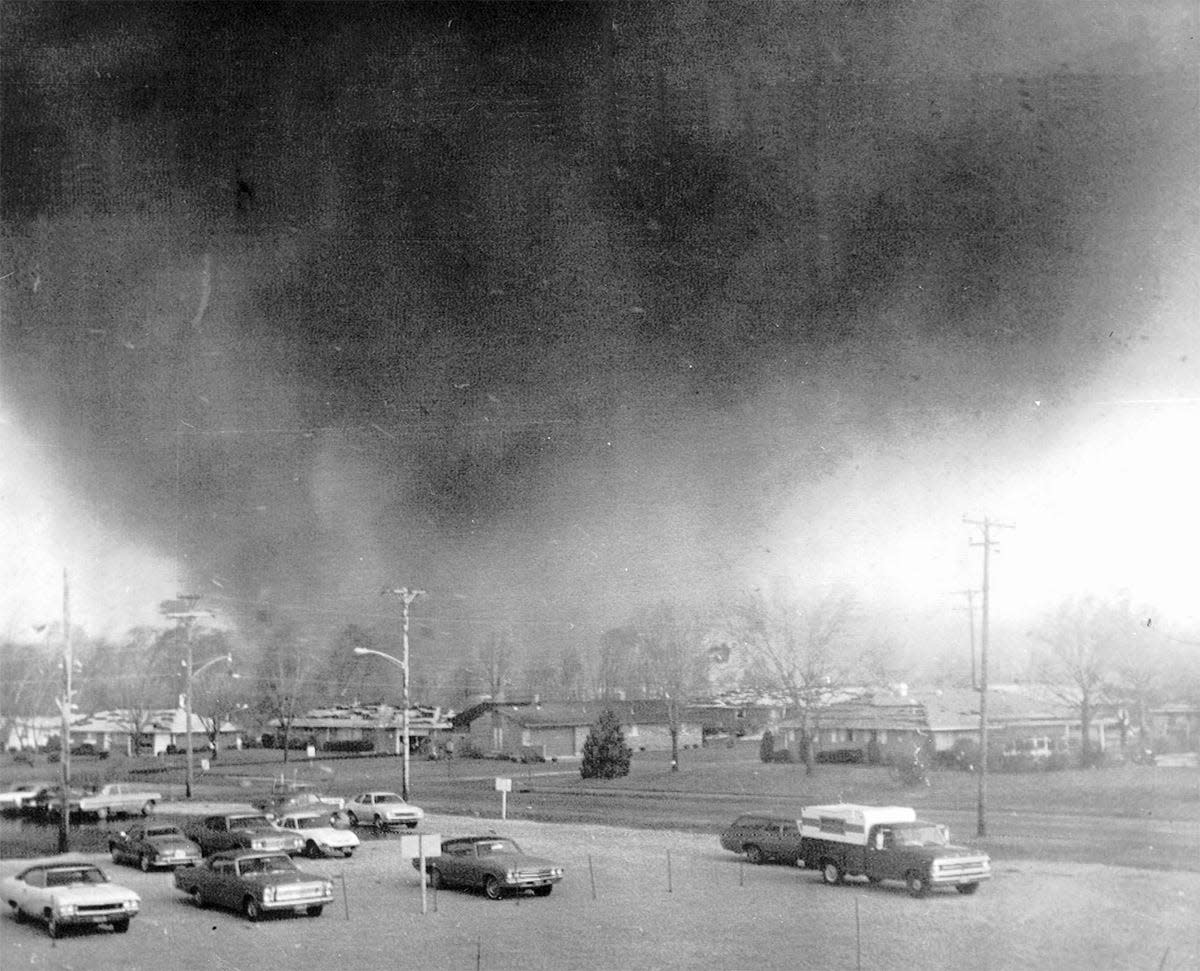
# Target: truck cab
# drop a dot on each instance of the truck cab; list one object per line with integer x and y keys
{"x": 888, "y": 843}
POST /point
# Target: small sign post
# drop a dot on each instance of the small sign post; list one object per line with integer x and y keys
{"x": 504, "y": 787}
{"x": 423, "y": 846}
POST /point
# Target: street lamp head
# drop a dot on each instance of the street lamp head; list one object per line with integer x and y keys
{"x": 361, "y": 650}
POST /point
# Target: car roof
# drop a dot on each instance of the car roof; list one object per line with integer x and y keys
{"x": 305, "y": 814}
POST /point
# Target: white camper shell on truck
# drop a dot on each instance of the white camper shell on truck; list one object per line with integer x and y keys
{"x": 887, "y": 843}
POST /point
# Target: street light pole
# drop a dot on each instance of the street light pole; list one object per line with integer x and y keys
{"x": 406, "y": 596}
{"x": 187, "y": 618}
{"x": 64, "y": 816}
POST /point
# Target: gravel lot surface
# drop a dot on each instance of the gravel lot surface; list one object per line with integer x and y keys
{"x": 661, "y": 900}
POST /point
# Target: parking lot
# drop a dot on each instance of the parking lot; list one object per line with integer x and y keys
{"x": 651, "y": 899}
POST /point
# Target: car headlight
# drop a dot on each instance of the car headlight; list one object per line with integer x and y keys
{"x": 66, "y": 910}
{"x": 257, "y": 844}
{"x": 509, "y": 876}
{"x": 130, "y": 905}
{"x": 268, "y": 894}
{"x": 327, "y": 888}
{"x": 556, "y": 871}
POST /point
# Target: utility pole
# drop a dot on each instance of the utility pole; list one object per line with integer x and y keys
{"x": 406, "y": 596}
{"x": 987, "y": 543}
{"x": 970, "y": 595}
{"x": 186, "y": 618}
{"x": 64, "y": 816}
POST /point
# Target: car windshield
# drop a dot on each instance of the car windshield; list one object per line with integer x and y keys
{"x": 921, "y": 836}
{"x": 310, "y": 822}
{"x": 63, "y": 878}
{"x": 266, "y": 864}
{"x": 495, "y": 847}
{"x": 387, "y": 797}
{"x": 249, "y": 822}
{"x": 164, "y": 831}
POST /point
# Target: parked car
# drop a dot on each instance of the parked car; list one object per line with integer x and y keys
{"x": 19, "y": 796}
{"x": 48, "y": 800}
{"x": 120, "y": 798}
{"x": 494, "y": 864}
{"x": 153, "y": 845}
{"x": 64, "y": 893}
{"x": 288, "y": 796}
{"x": 255, "y": 884}
{"x": 233, "y": 831}
{"x": 321, "y": 836}
{"x": 764, "y": 837}
{"x": 382, "y": 810}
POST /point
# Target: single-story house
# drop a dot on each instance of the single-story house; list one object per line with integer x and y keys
{"x": 1175, "y": 727}
{"x": 881, "y": 727}
{"x": 159, "y": 730}
{"x": 30, "y": 733}
{"x": 736, "y": 714}
{"x": 381, "y": 725}
{"x": 544, "y": 730}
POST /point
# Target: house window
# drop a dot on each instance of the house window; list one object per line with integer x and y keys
{"x": 883, "y": 736}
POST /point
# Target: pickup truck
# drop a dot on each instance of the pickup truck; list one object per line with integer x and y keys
{"x": 120, "y": 798}
{"x": 887, "y": 843}
{"x": 237, "y": 831}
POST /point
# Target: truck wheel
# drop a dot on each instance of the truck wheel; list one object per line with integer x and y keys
{"x": 754, "y": 854}
{"x": 967, "y": 888}
{"x": 916, "y": 883}
{"x": 831, "y": 873}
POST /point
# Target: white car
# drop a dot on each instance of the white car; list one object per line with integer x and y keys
{"x": 383, "y": 810}
{"x": 18, "y": 797}
{"x": 321, "y": 837}
{"x": 64, "y": 892}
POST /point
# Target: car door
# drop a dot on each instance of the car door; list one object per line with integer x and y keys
{"x": 455, "y": 862}
{"x": 225, "y": 883}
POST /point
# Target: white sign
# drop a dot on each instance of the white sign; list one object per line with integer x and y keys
{"x": 421, "y": 844}
{"x": 503, "y": 785}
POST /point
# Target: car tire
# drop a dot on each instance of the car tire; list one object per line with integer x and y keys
{"x": 916, "y": 883}
{"x": 543, "y": 891}
{"x": 413, "y": 824}
{"x": 19, "y": 915}
{"x": 352, "y": 819}
{"x": 831, "y": 873}
{"x": 380, "y": 825}
{"x": 492, "y": 888}
{"x": 967, "y": 888}
{"x": 251, "y": 909}
{"x": 348, "y": 852}
{"x": 197, "y": 897}
{"x": 315, "y": 910}
{"x": 115, "y": 853}
{"x": 148, "y": 807}
{"x": 755, "y": 855}
{"x": 120, "y": 926}
{"x": 311, "y": 850}
{"x": 144, "y": 862}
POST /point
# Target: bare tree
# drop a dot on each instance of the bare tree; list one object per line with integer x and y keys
{"x": 288, "y": 680}
{"x": 799, "y": 649}
{"x": 134, "y": 679}
{"x": 671, "y": 663}
{"x": 1084, "y": 639}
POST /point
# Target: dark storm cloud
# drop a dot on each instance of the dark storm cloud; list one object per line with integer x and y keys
{"x": 553, "y": 306}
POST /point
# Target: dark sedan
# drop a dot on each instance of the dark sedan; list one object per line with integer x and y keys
{"x": 152, "y": 845}
{"x": 494, "y": 864}
{"x": 256, "y": 883}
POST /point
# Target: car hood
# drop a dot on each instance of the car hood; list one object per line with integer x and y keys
{"x": 330, "y": 835}
{"x": 281, "y": 879}
{"x": 521, "y": 862}
{"x": 161, "y": 843}
{"x": 80, "y": 895}
{"x": 941, "y": 852}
